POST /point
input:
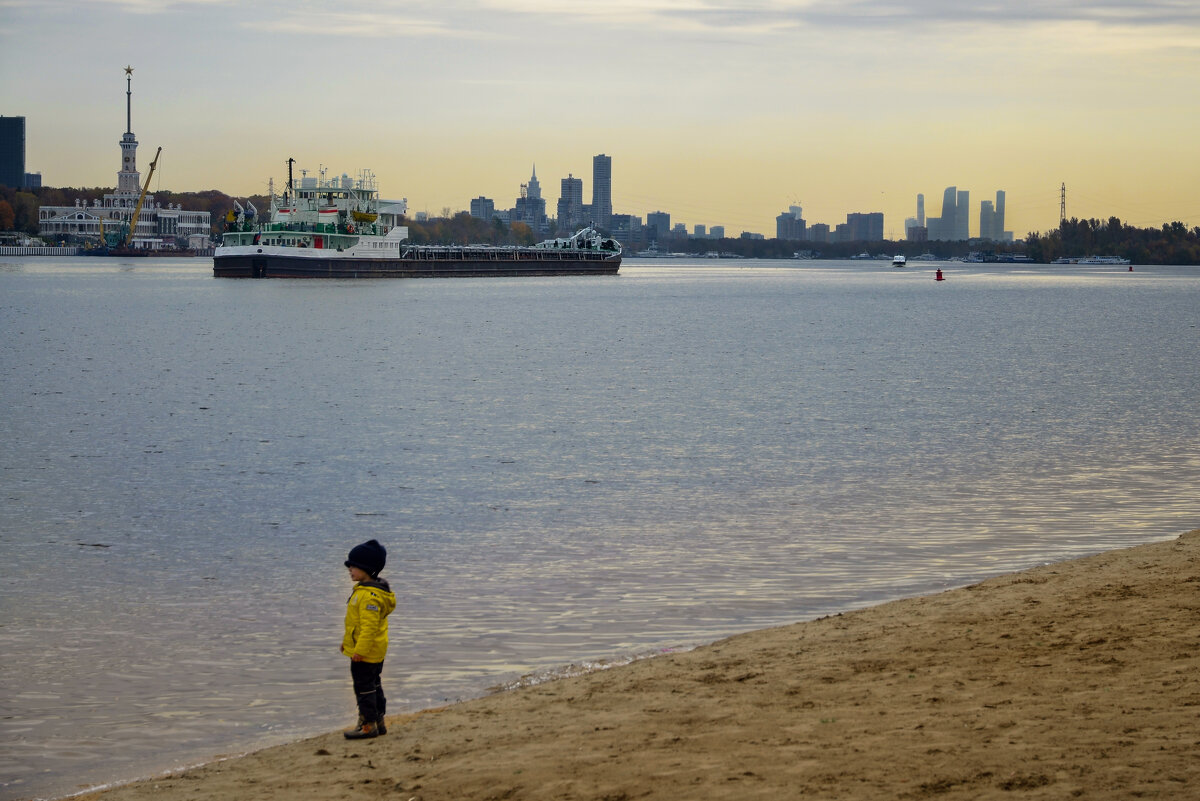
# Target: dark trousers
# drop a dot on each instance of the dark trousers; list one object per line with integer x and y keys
{"x": 368, "y": 690}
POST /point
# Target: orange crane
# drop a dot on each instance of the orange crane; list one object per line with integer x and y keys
{"x": 142, "y": 197}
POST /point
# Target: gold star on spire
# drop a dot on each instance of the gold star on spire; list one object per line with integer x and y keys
{"x": 129, "y": 70}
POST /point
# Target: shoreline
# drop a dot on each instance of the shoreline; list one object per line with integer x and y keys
{"x": 1069, "y": 679}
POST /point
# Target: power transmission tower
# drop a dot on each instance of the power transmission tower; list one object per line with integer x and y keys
{"x": 1062, "y": 204}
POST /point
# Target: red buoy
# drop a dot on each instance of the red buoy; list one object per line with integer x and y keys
{"x": 939, "y": 276}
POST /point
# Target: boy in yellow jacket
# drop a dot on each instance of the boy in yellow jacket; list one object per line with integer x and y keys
{"x": 366, "y": 638}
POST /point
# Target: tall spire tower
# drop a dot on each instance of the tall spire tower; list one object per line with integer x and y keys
{"x": 128, "y": 179}
{"x": 535, "y": 188}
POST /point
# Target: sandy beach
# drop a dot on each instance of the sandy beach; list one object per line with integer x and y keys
{"x": 1072, "y": 680}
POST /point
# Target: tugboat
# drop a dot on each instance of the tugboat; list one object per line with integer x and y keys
{"x": 335, "y": 229}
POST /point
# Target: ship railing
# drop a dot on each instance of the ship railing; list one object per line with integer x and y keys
{"x": 485, "y": 253}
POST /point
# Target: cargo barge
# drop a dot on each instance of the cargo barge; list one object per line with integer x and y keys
{"x": 334, "y": 229}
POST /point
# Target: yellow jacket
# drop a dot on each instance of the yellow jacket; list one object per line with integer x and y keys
{"x": 367, "y": 612}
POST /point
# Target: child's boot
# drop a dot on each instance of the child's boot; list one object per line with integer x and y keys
{"x": 363, "y": 732}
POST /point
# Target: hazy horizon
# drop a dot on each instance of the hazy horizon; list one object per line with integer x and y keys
{"x": 718, "y": 113}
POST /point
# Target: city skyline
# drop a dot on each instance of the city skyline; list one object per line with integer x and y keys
{"x": 720, "y": 115}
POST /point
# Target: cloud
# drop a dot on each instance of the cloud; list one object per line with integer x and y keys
{"x": 758, "y": 16}
{"x": 745, "y": 19}
{"x": 132, "y": 6}
{"x": 339, "y": 20}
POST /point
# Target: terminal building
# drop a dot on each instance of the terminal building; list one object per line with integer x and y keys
{"x": 159, "y": 227}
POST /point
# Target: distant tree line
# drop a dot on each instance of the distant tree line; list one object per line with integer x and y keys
{"x": 786, "y": 248}
{"x": 463, "y": 229}
{"x": 1174, "y": 243}
{"x": 19, "y": 207}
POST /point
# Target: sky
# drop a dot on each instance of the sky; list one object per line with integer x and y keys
{"x": 716, "y": 111}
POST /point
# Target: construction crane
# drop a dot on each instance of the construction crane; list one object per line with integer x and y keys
{"x": 142, "y": 197}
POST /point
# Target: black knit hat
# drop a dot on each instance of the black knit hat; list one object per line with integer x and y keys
{"x": 369, "y": 557}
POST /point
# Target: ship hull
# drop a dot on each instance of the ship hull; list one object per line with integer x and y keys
{"x": 275, "y": 265}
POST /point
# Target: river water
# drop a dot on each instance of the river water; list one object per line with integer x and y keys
{"x": 564, "y": 470}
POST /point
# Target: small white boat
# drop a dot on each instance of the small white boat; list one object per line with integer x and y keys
{"x": 900, "y": 260}
{"x": 1104, "y": 260}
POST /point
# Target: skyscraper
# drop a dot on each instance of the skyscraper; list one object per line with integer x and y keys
{"x": 658, "y": 224}
{"x": 921, "y": 211}
{"x": 534, "y": 188}
{"x": 991, "y": 219}
{"x": 945, "y": 228}
{"x": 790, "y": 226}
{"x": 987, "y": 220}
{"x": 12, "y": 151}
{"x": 531, "y": 208}
{"x": 602, "y": 191}
{"x": 570, "y": 204}
{"x": 864, "y": 227}
{"x": 962, "y": 216}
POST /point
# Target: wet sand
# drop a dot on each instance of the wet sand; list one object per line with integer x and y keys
{"x": 1077, "y": 679}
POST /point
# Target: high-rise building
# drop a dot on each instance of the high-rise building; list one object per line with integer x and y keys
{"x": 483, "y": 208}
{"x": 789, "y": 225}
{"x": 920, "y": 211}
{"x": 570, "y": 204}
{"x": 699, "y": 231}
{"x": 626, "y": 227}
{"x": 533, "y": 188}
{"x": 602, "y": 191}
{"x": 962, "y": 216}
{"x": 12, "y": 152}
{"x": 991, "y": 220}
{"x": 987, "y": 220}
{"x": 658, "y": 224}
{"x": 863, "y": 227}
{"x": 717, "y": 232}
{"x": 531, "y": 208}
{"x": 945, "y": 228}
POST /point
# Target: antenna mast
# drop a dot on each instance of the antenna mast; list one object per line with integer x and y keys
{"x": 1062, "y": 204}
{"x": 128, "y": 99}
